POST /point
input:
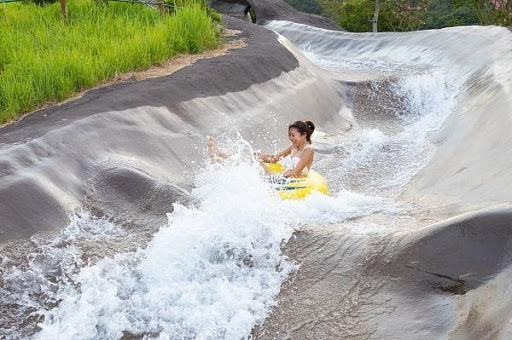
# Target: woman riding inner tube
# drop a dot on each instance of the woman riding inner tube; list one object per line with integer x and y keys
{"x": 297, "y": 158}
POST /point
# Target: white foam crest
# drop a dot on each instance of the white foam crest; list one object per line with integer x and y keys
{"x": 34, "y": 286}
{"x": 336, "y": 50}
{"x": 363, "y": 148}
{"x": 385, "y": 60}
{"x": 430, "y": 99}
{"x": 382, "y": 164}
{"x": 212, "y": 273}
{"x": 431, "y": 96}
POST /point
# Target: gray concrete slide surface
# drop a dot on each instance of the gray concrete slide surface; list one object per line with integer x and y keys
{"x": 125, "y": 152}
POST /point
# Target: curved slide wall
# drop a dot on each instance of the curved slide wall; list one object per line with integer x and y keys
{"x": 445, "y": 280}
{"x": 126, "y": 151}
{"x": 472, "y": 150}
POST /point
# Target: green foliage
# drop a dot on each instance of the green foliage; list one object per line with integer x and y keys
{"x": 332, "y": 8}
{"x": 356, "y": 15}
{"x": 394, "y": 15}
{"x": 306, "y": 6}
{"x": 447, "y": 13}
{"x": 252, "y": 13}
{"x": 407, "y": 15}
{"x": 192, "y": 30}
{"x": 497, "y": 12}
{"x": 43, "y": 58}
{"x": 43, "y": 2}
{"x": 176, "y": 4}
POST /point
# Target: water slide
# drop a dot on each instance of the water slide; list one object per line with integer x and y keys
{"x": 114, "y": 224}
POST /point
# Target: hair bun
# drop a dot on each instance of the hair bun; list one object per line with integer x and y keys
{"x": 311, "y": 125}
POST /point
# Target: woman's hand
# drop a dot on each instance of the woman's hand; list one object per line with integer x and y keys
{"x": 214, "y": 153}
{"x": 210, "y": 143}
{"x": 212, "y": 148}
{"x": 288, "y": 173}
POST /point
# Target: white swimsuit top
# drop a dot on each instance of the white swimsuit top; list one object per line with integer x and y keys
{"x": 290, "y": 162}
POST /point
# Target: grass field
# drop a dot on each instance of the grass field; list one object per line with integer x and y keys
{"x": 44, "y": 59}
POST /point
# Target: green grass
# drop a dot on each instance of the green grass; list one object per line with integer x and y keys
{"x": 44, "y": 59}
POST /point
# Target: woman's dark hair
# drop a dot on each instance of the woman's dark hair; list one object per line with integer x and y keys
{"x": 306, "y": 127}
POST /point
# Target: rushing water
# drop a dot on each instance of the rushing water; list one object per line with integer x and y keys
{"x": 383, "y": 161}
{"x": 212, "y": 272}
{"x": 215, "y": 269}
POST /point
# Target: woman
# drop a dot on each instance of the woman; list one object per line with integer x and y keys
{"x": 297, "y": 158}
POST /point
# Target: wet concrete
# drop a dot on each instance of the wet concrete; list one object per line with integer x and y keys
{"x": 125, "y": 152}
{"x": 49, "y": 160}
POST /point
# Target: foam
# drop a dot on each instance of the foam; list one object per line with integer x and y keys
{"x": 212, "y": 272}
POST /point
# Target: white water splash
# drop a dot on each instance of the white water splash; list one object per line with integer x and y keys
{"x": 212, "y": 273}
{"x": 36, "y": 285}
{"x": 214, "y": 270}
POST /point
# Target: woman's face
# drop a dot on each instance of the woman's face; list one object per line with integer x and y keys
{"x": 296, "y": 137}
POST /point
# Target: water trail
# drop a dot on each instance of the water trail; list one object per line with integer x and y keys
{"x": 378, "y": 163}
{"x": 211, "y": 273}
{"x": 214, "y": 270}
{"x": 36, "y": 284}
{"x": 412, "y": 91}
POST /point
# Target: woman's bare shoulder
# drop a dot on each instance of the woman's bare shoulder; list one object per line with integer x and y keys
{"x": 308, "y": 150}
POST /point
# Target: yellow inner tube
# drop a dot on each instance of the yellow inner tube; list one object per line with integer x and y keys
{"x": 295, "y": 188}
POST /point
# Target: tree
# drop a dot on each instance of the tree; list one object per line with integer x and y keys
{"x": 356, "y": 15}
{"x": 448, "y": 13}
{"x": 376, "y": 15}
{"x": 375, "y": 19}
{"x": 407, "y": 15}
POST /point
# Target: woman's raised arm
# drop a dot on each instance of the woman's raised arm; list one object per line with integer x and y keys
{"x": 268, "y": 158}
{"x": 213, "y": 151}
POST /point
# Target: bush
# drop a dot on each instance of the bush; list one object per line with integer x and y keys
{"x": 356, "y": 15}
{"x": 192, "y": 30}
{"x": 407, "y": 15}
{"x": 442, "y": 13}
{"x": 177, "y": 4}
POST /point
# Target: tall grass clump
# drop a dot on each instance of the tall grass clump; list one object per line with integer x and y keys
{"x": 192, "y": 30}
{"x": 45, "y": 59}
{"x": 203, "y": 3}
